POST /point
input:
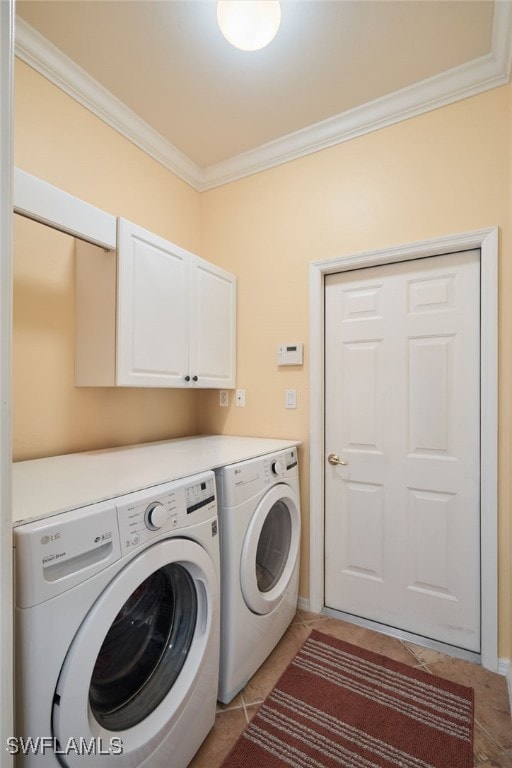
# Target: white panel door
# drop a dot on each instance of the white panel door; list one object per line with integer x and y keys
{"x": 212, "y": 325}
{"x": 402, "y": 516}
{"x": 153, "y": 310}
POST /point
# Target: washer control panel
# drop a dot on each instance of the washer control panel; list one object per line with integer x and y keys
{"x": 145, "y": 515}
{"x": 155, "y": 516}
{"x": 199, "y": 495}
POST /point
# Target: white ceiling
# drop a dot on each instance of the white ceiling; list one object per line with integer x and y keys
{"x": 162, "y": 72}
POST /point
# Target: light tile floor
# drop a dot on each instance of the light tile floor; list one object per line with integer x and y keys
{"x": 493, "y": 726}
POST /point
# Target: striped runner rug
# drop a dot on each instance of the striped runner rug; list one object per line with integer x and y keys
{"x": 340, "y": 705}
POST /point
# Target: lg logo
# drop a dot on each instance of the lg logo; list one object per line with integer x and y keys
{"x": 47, "y": 539}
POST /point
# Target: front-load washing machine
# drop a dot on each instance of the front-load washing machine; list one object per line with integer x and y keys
{"x": 117, "y": 630}
{"x": 259, "y": 522}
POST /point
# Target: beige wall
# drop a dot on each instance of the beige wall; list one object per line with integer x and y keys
{"x": 445, "y": 172}
{"x": 61, "y": 142}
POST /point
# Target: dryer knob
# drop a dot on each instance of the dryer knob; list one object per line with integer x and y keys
{"x": 155, "y": 516}
{"x": 277, "y": 468}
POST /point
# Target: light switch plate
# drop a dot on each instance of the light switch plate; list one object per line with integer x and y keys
{"x": 290, "y": 398}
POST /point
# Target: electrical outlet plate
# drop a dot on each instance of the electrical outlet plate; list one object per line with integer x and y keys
{"x": 240, "y": 398}
{"x": 223, "y": 398}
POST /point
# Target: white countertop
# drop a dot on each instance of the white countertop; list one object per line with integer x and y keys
{"x": 43, "y": 487}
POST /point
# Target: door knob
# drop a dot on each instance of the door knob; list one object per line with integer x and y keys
{"x": 334, "y": 459}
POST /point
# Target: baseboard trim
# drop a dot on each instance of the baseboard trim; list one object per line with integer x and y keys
{"x": 505, "y": 669}
{"x": 303, "y": 603}
{"x": 504, "y": 665}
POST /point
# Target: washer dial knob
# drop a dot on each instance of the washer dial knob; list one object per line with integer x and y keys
{"x": 155, "y": 516}
{"x": 278, "y": 468}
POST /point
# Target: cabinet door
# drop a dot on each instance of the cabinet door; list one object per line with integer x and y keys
{"x": 212, "y": 325}
{"x": 152, "y": 310}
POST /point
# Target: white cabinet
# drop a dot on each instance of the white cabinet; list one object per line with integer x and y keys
{"x": 153, "y": 309}
{"x": 212, "y": 325}
{"x": 152, "y": 315}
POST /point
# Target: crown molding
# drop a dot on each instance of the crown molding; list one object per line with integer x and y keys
{"x": 453, "y": 85}
{"x": 469, "y": 79}
{"x": 36, "y": 51}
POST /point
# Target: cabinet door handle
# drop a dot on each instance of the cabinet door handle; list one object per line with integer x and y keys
{"x": 187, "y": 378}
{"x": 194, "y": 378}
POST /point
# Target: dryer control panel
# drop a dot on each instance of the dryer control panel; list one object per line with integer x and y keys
{"x": 280, "y": 465}
{"x": 145, "y": 515}
{"x": 246, "y": 479}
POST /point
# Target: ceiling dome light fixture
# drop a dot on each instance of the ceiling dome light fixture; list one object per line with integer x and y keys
{"x": 249, "y": 24}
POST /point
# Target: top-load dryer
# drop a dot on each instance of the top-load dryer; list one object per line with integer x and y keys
{"x": 260, "y": 524}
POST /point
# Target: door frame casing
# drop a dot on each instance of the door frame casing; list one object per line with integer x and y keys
{"x": 486, "y": 240}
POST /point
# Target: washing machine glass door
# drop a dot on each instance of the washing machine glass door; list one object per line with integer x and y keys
{"x": 271, "y": 549}
{"x": 139, "y": 652}
{"x": 144, "y": 649}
